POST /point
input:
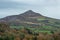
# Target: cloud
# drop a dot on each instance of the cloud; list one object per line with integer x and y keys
{"x": 45, "y": 7}
{"x": 13, "y": 5}
{"x": 38, "y": 2}
{"x": 27, "y": 3}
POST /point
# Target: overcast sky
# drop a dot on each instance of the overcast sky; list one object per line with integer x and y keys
{"x": 50, "y": 8}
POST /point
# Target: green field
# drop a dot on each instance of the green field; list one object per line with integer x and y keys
{"x": 36, "y": 30}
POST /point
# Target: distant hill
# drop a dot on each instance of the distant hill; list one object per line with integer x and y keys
{"x": 28, "y": 16}
{"x": 32, "y": 19}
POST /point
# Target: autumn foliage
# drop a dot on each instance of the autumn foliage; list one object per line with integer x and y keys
{"x": 7, "y": 33}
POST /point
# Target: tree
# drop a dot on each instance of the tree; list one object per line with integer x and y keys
{"x": 22, "y": 36}
{"x": 34, "y": 38}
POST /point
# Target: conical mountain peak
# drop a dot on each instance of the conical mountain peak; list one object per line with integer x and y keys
{"x": 30, "y": 13}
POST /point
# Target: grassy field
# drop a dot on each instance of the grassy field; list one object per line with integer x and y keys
{"x": 36, "y": 30}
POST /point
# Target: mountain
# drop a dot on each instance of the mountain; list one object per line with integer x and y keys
{"x": 27, "y": 14}
{"x": 30, "y": 13}
{"x": 32, "y": 19}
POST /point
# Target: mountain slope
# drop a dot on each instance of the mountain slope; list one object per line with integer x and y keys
{"x": 32, "y": 19}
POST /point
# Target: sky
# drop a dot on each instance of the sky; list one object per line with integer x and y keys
{"x": 49, "y": 8}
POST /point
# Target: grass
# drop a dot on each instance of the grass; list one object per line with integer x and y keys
{"x": 18, "y": 27}
{"x": 37, "y": 30}
{"x": 39, "y": 19}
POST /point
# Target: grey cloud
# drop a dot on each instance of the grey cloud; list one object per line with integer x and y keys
{"x": 4, "y": 5}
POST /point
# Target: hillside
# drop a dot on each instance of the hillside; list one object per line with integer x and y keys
{"x": 32, "y": 19}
